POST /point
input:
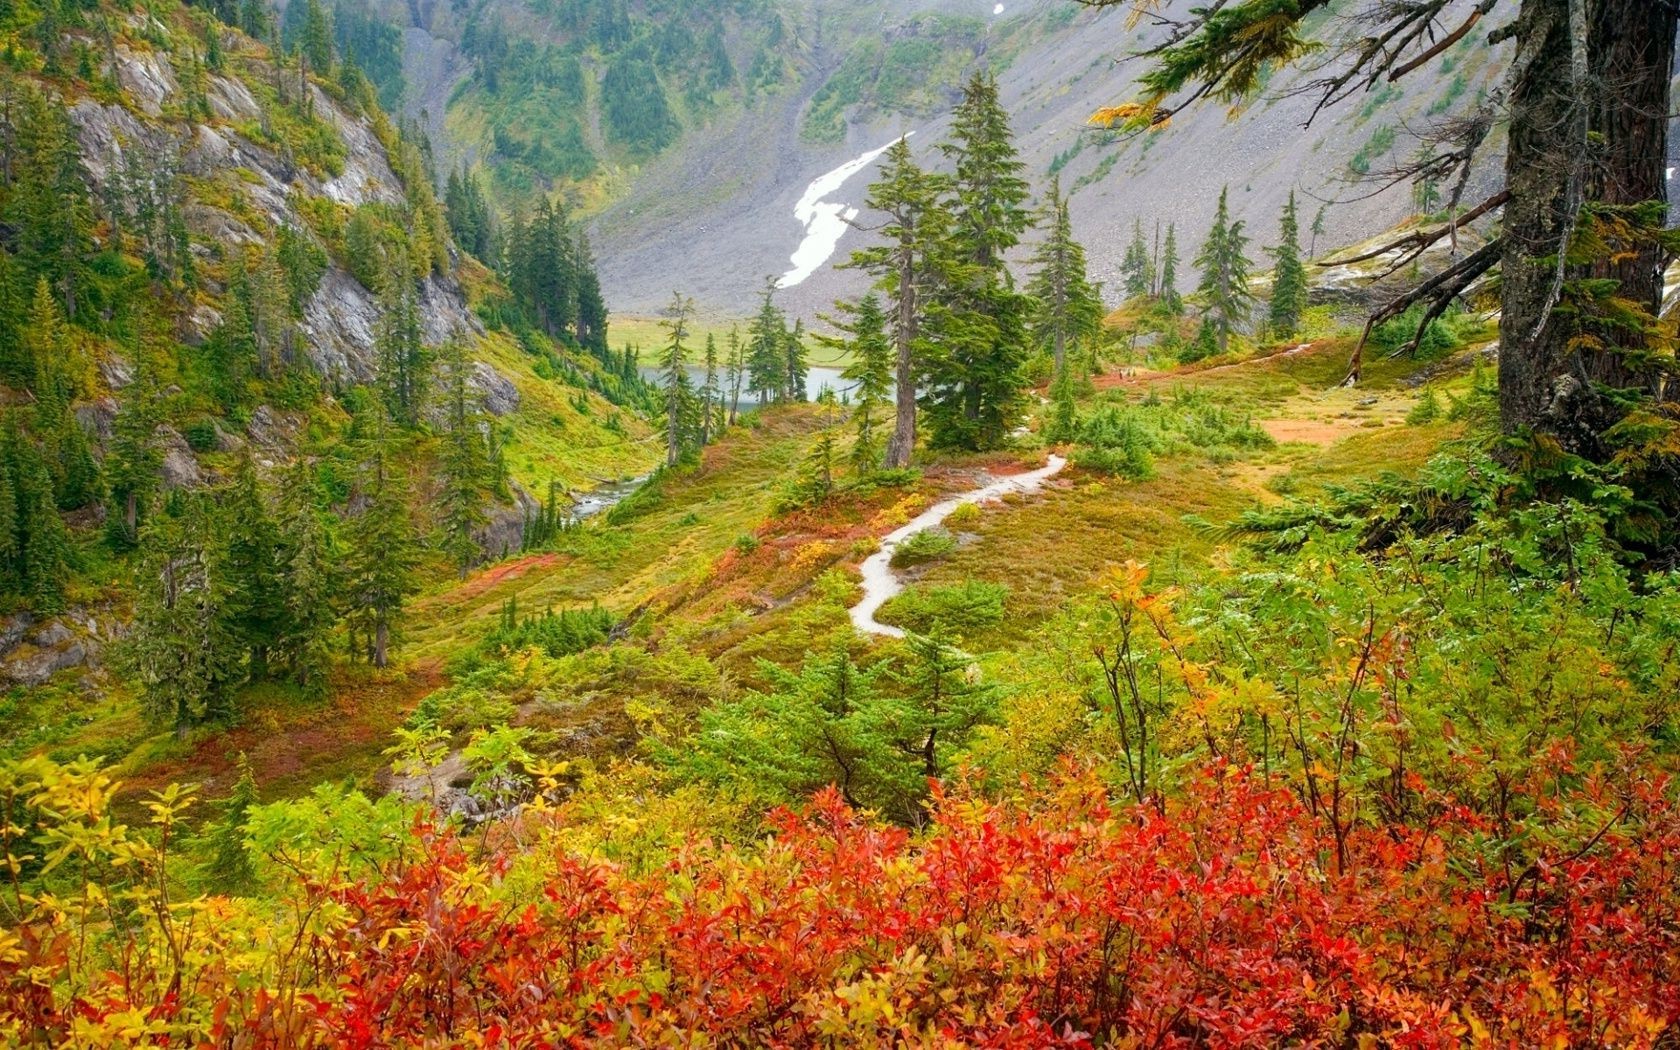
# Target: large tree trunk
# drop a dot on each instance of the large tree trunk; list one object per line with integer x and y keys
{"x": 903, "y": 441}
{"x": 1589, "y": 115}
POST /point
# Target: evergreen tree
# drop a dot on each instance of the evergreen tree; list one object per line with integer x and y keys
{"x": 228, "y": 869}
{"x": 907, "y": 268}
{"x": 767, "y": 338}
{"x": 1063, "y": 424}
{"x": 380, "y": 560}
{"x": 591, "y": 323}
{"x": 37, "y": 544}
{"x": 1137, "y": 268}
{"x": 1317, "y": 229}
{"x": 251, "y": 569}
{"x": 404, "y": 362}
{"x": 816, "y": 474}
{"x": 736, "y": 370}
{"x": 1170, "y": 299}
{"x": 1224, "y": 281}
{"x": 315, "y": 41}
{"x": 711, "y": 395}
{"x": 1289, "y": 276}
{"x": 134, "y": 459}
{"x": 870, "y": 372}
{"x": 180, "y": 648}
{"x": 794, "y": 369}
{"x": 941, "y": 704}
{"x": 47, "y": 206}
{"x": 1066, "y": 308}
{"x": 311, "y": 567}
{"x": 673, "y": 374}
{"x": 974, "y": 386}
{"x": 465, "y": 462}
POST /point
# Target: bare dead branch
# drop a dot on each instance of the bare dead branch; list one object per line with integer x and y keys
{"x": 1439, "y": 291}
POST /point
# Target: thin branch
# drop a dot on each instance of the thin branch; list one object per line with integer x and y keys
{"x": 1445, "y": 286}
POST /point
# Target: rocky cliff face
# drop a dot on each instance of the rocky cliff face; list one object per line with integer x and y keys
{"x": 234, "y": 183}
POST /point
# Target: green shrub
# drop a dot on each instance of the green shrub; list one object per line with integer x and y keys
{"x": 925, "y": 546}
{"x": 973, "y": 605}
{"x": 1113, "y": 441}
{"x": 965, "y": 515}
{"x": 200, "y": 435}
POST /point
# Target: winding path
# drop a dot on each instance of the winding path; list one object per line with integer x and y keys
{"x": 880, "y": 582}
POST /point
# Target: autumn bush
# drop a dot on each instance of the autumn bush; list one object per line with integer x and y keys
{"x": 1221, "y": 917}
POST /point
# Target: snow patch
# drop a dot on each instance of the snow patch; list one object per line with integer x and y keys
{"x": 825, "y": 221}
{"x": 998, "y": 10}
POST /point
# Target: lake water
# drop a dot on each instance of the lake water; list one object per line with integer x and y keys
{"x": 816, "y": 377}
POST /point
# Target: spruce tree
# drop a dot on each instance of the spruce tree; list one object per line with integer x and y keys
{"x": 711, "y": 395}
{"x": 134, "y": 459}
{"x": 974, "y": 384}
{"x": 180, "y": 649}
{"x": 1063, "y": 424}
{"x": 1066, "y": 308}
{"x": 42, "y": 544}
{"x": 1224, "y": 269}
{"x": 907, "y": 269}
{"x": 870, "y": 372}
{"x": 1136, "y": 268}
{"x": 381, "y": 543}
{"x": 673, "y": 374}
{"x": 793, "y": 388}
{"x": 311, "y": 563}
{"x": 1289, "y": 276}
{"x": 315, "y": 42}
{"x": 404, "y": 362}
{"x": 736, "y": 371}
{"x": 465, "y": 462}
{"x": 767, "y": 337}
{"x": 228, "y": 868}
{"x": 251, "y": 568}
{"x": 1170, "y": 300}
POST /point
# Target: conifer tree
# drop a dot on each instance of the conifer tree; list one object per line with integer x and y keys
{"x": 315, "y": 42}
{"x": 907, "y": 268}
{"x": 870, "y": 372}
{"x": 312, "y": 570}
{"x": 38, "y": 544}
{"x": 591, "y": 322}
{"x": 673, "y": 374}
{"x": 974, "y": 386}
{"x": 404, "y": 362}
{"x": 228, "y": 868}
{"x": 1066, "y": 309}
{"x": 180, "y": 648}
{"x": 380, "y": 559}
{"x": 736, "y": 371}
{"x": 251, "y": 568}
{"x": 1063, "y": 424}
{"x": 1136, "y": 267}
{"x": 1224, "y": 275}
{"x": 794, "y": 368}
{"x": 465, "y": 462}
{"x": 816, "y": 475}
{"x": 134, "y": 459}
{"x": 1317, "y": 229}
{"x": 767, "y": 337}
{"x": 1289, "y": 276}
{"x": 711, "y": 395}
{"x": 1170, "y": 299}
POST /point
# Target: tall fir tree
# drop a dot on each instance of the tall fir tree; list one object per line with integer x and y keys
{"x": 251, "y": 568}
{"x": 908, "y": 268}
{"x": 466, "y": 461}
{"x": 1170, "y": 299}
{"x": 1223, "y": 264}
{"x": 870, "y": 373}
{"x": 1136, "y": 268}
{"x": 404, "y": 361}
{"x": 794, "y": 367}
{"x": 1066, "y": 308}
{"x": 134, "y": 458}
{"x": 181, "y": 648}
{"x": 767, "y": 349}
{"x": 227, "y": 867}
{"x": 315, "y": 41}
{"x": 711, "y": 395}
{"x": 673, "y": 375}
{"x": 380, "y": 559}
{"x": 313, "y": 572}
{"x": 735, "y": 371}
{"x": 1289, "y": 276}
{"x": 974, "y": 389}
